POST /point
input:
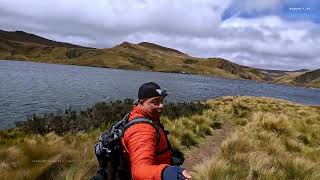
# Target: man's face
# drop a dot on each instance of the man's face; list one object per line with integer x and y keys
{"x": 153, "y": 105}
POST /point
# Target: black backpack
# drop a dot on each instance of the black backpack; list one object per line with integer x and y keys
{"x": 108, "y": 150}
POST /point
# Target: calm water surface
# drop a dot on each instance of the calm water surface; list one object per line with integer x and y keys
{"x": 28, "y": 87}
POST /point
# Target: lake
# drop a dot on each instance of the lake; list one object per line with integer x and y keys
{"x": 28, "y": 87}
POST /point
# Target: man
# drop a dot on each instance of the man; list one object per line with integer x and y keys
{"x": 147, "y": 158}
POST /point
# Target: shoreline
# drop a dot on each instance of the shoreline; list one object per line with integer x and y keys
{"x": 184, "y": 73}
{"x": 128, "y": 104}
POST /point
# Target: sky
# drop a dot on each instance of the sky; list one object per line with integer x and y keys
{"x": 271, "y": 34}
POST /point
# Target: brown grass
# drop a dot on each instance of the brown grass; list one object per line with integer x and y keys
{"x": 274, "y": 139}
{"x": 280, "y": 140}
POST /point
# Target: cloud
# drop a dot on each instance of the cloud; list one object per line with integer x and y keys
{"x": 197, "y": 27}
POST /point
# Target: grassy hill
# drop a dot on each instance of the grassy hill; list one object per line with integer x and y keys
{"x": 308, "y": 79}
{"x": 311, "y": 78}
{"x": 272, "y": 139}
{"x": 288, "y": 78}
{"x": 142, "y": 56}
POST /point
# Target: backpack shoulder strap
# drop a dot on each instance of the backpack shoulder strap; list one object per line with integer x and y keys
{"x": 144, "y": 120}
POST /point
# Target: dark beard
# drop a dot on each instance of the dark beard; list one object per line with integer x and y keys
{"x": 156, "y": 113}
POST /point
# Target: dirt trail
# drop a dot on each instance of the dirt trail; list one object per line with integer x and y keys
{"x": 207, "y": 148}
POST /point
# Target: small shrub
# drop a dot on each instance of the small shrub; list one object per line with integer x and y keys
{"x": 240, "y": 110}
{"x": 74, "y": 53}
{"x": 188, "y": 109}
{"x": 140, "y": 61}
{"x": 305, "y": 138}
{"x": 204, "y": 130}
{"x": 187, "y": 139}
{"x": 241, "y": 121}
{"x": 190, "y": 61}
{"x": 216, "y": 125}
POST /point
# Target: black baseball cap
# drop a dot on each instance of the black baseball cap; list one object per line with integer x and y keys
{"x": 149, "y": 90}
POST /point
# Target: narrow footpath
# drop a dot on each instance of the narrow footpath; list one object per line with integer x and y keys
{"x": 209, "y": 147}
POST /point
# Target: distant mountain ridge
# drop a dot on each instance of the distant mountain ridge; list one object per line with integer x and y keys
{"x": 283, "y": 71}
{"x": 145, "y": 56}
{"x": 23, "y": 37}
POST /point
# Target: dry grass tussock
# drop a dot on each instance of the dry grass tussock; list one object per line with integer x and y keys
{"x": 274, "y": 139}
{"x": 49, "y": 156}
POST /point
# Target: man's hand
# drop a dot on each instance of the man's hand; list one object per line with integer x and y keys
{"x": 175, "y": 172}
{"x": 186, "y": 174}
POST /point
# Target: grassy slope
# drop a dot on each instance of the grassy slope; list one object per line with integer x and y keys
{"x": 314, "y": 83}
{"x": 288, "y": 78}
{"x": 274, "y": 139}
{"x": 308, "y": 79}
{"x": 311, "y": 78}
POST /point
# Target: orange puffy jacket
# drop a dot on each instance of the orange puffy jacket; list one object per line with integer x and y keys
{"x": 147, "y": 159}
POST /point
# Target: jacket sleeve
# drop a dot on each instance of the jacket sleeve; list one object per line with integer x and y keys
{"x": 140, "y": 142}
